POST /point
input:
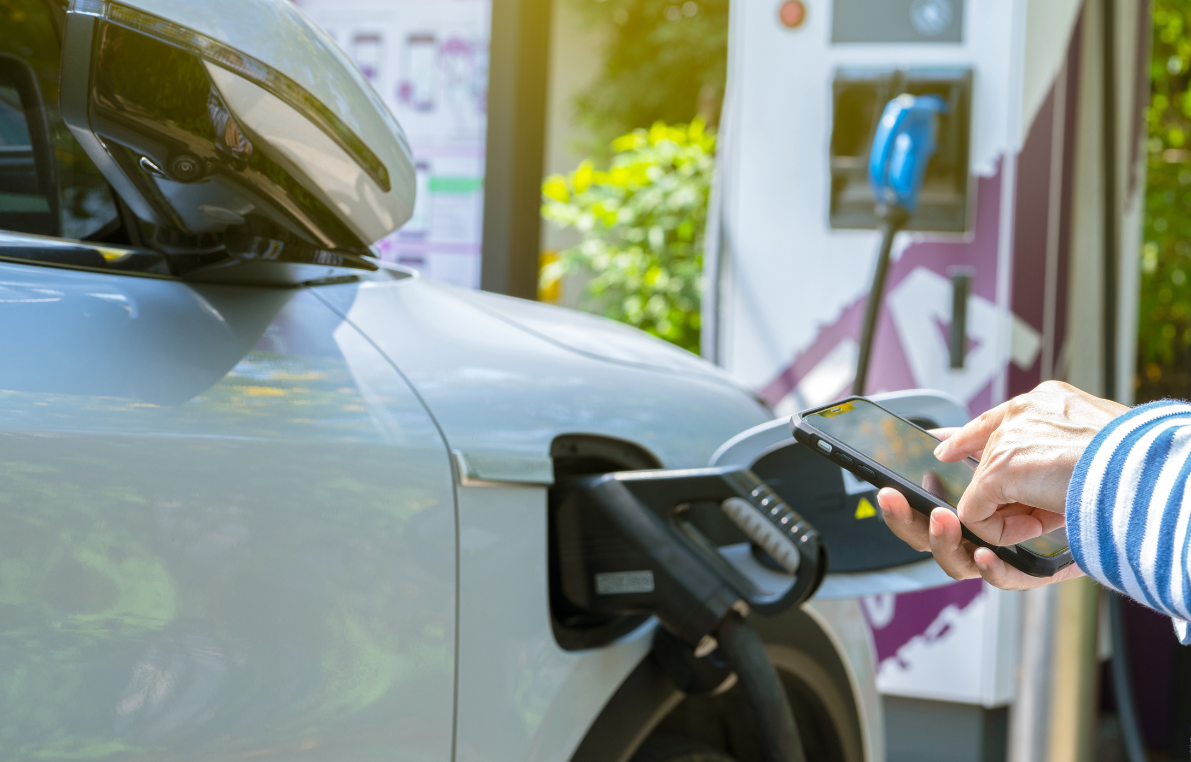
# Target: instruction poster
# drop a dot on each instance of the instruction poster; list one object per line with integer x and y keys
{"x": 428, "y": 60}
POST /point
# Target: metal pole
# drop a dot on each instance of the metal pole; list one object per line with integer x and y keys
{"x": 1029, "y": 720}
{"x": 1121, "y": 681}
{"x": 1108, "y": 122}
{"x": 1073, "y": 685}
{"x": 519, "y": 61}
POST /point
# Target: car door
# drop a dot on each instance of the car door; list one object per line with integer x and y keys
{"x": 226, "y": 529}
{"x": 227, "y": 524}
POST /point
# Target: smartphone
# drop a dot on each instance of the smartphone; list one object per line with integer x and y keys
{"x": 886, "y": 450}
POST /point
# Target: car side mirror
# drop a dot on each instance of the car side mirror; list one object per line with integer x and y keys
{"x": 28, "y": 175}
{"x": 232, "y": 145}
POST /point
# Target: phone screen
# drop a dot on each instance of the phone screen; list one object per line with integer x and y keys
{"x": 908, "y": 451}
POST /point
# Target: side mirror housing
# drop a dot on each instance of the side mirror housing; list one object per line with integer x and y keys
{"x": 235, "y": 131}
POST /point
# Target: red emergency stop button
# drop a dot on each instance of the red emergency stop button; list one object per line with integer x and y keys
{"x": 792, "y": 13}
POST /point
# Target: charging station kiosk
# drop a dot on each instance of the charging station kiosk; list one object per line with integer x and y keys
{"x": 1000, "y": 280}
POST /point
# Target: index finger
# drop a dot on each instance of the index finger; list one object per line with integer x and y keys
{"x": 972, "y": 437}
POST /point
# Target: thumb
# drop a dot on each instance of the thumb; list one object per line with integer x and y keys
{"x": 972, "y": 437}
{"x": 978, "y": 506}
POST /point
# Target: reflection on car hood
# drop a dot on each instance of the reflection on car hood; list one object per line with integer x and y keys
{"x": 497, "y": 385}
{"x": 595, "y": 336}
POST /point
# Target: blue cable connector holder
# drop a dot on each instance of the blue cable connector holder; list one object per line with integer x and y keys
{"x": 902, "y": 147}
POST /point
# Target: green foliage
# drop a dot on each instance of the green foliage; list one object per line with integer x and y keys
{"x": 642, "y": 224}
{"x": 664, "y": 60}
{"x": 1164, "y": 346}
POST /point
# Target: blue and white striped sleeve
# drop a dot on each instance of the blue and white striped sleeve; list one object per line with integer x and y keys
{"x": 1129, "y": 507}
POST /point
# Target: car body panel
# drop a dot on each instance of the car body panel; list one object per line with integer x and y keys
{"x": 287, "y": 524}
{"x": 497, "y": 388}
{"x": 521, "y": 696}
{"x": 273, "y": 479}
{"x": 226, "y": 529}
{"x": 597, "y": 336}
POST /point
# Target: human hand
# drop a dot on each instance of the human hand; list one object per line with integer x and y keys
{"x": 959, "y": 558}
{"x": 1028, "y": 448}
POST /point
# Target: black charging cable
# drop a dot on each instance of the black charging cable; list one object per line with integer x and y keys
{"x": 626, "y": 545}
{"x": 1122, "y": 682}
{"x": 892, "y": 218}
{"x": 763, "y": 690}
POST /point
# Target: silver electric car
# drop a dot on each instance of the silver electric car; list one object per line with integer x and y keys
{"x": 265, "y": 498}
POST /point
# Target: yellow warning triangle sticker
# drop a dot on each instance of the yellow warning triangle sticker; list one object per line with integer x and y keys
{"x": 865, "y": 509}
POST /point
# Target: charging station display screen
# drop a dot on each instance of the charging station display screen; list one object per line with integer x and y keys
{"x": 908, "y": 451}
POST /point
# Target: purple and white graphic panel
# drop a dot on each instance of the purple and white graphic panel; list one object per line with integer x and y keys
{"x": 428, "y": 60}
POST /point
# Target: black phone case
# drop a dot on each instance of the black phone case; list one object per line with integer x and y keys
{"x": 918, "y": 498}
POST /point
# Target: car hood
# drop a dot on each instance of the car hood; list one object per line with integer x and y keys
{"x": 506, "y": 378}
{"x": 595, "y": 336}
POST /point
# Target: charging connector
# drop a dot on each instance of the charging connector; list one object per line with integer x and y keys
{"x": 626, "y": 544}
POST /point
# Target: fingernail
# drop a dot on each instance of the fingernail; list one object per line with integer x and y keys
{"x": 935, "y": 529}
{"x": 939, "y": 448}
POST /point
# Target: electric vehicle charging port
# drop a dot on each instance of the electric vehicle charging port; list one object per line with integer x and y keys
{"x": 576, "y": 456}
{"x": 624, "y": 544}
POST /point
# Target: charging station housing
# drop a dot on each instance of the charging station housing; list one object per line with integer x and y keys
{"x": 997, "y": 284}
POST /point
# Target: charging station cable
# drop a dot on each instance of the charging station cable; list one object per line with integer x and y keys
{"x": 892, "y": 219}
{"x": 630, "y": 543}
{"x": 902, "y": 147}
{"x": 1122, "y": 682}
{"x": 763, "y": 690}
